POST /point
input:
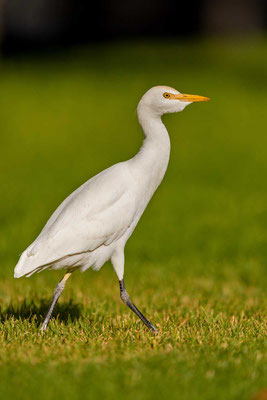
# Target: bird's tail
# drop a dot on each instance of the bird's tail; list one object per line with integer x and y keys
{"x": 26, "y": 266}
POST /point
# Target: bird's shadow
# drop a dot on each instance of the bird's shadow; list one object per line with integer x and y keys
{"x": 30, "y": 311}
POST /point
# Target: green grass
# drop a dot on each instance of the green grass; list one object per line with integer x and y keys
{"x": 196, "y": 264}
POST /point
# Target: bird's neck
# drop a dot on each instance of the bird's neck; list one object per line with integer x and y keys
{"x": 154, "y": 154}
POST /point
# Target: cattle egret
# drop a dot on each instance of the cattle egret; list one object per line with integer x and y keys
{"x": 93, "y": 224}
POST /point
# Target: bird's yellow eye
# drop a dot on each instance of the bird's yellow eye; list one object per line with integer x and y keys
{"x": 166, "y": 95}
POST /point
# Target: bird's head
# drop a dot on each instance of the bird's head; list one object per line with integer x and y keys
{"x": 161, "y": 100}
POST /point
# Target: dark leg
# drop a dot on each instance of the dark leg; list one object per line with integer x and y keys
{"x": 57, "y": 292}
{"x": 126, "y": 299}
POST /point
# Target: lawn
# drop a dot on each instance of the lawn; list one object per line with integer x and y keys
{"x": 196, "y": 263}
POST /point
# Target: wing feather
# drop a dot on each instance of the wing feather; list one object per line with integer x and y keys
{"x": 96, "y": 214}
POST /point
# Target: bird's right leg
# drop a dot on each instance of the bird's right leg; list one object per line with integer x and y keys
{"x": 57, "y": 292}
{"x": 126, "y": 299}
{"x": 117, "y": 260}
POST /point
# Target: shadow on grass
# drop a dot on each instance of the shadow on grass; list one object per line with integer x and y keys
{"x": 33, "y": 312}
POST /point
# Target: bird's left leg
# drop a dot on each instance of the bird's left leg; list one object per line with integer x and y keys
{"x": 57, "y": 292}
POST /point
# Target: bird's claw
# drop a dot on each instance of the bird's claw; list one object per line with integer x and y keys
{"x": 154, "y": 330}
{"x": 43, "y": 328}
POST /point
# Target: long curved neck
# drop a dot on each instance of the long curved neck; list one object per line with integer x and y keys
{"x": 153, "y": 157}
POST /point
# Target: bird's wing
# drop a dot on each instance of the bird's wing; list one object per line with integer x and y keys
{"x": 96, "y": 214}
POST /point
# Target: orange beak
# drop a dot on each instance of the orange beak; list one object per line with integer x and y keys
{"x": 189, "y": 97}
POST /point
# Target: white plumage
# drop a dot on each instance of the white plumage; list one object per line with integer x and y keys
{"x": 84, "y": 227}
{"x": 93, "y": 224}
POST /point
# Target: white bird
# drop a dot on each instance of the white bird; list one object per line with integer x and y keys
{"x": 93, "y": 224}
